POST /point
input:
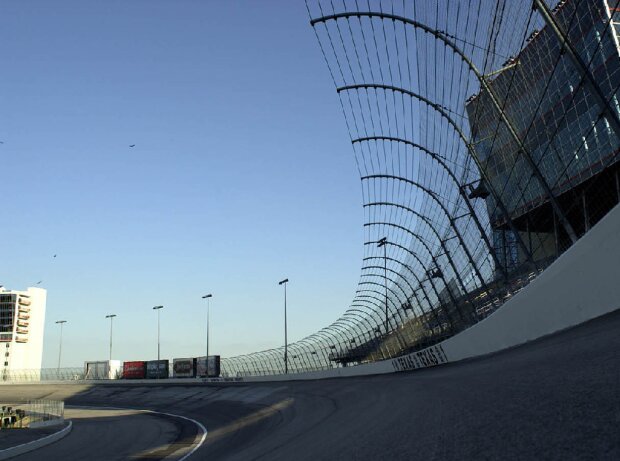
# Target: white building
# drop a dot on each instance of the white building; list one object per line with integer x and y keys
{"x": 22, "y": 319}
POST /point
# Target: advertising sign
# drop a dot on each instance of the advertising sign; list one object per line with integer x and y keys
{"x": 103, "y": 369}
{"x": 134, "y": 370}
{"x": 201, "y": 366}
{"x": 184, "y": 368}
{"x": 208, "y": 367}
{"x": 428, "y": 357}
{"x": 96, "y": 370}
{"x": 157, "y": 369}
{"x": 213, "y": 366}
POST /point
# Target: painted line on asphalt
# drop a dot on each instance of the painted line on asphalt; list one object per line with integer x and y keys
{"x": 197, "y": 423}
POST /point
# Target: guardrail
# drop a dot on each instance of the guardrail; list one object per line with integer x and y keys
{"x": 43, "y": 412}
{"x": 32, "y": 413}
{"x": 41, "y": 374}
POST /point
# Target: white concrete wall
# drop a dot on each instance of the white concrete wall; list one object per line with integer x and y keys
{"x": 11, "y": 452}
{"x": 580, "y": 285}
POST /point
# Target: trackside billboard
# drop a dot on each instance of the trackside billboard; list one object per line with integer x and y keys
{"x": 157, "y": 369}
{"x": 429, "y": 357}
{"x": 208, "y": 367}
{"x": 184, "y": 368}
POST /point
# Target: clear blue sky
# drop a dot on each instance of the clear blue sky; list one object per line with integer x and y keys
{"x": 242, "y": 174}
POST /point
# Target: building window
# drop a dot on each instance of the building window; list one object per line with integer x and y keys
{"x": 607, "y": 126}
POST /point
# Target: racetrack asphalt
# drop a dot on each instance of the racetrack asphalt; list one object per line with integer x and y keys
{"x": 111, "y": 434}
{"x": 555, "y": 398}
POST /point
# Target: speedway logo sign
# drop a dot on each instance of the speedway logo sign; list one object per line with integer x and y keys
{"x": 429, "y": 357}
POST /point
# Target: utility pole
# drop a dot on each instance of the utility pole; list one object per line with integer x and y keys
{"x": 111, "y": 317}
{"x": 383, "y": 243}
{"x": 158, "y": 308}
{"x": 207, "y": 297}
{"x": 61, "y": 322}
{"x": 284, "y": 282}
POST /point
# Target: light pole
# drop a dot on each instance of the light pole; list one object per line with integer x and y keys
{"x": 383, "y": 243}
{"x": 111, "y": 317}
{"x": 207, "y": 297}
{"x": 284, "y": 282}
{"x": 61, "y": 322}
{"x": 158, "y": 308}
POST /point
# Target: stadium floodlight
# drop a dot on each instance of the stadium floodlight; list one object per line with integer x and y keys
{"x": 383, "y": 243}
{"x": 435, "y": 273}
{"x": 284, "y": 282}
{"x": 479, "y": 191}
{"x": 61, "y": 323}
{"x": 207, "y": 297}
{"x": 158, "y": 308}
{"x": 111, "y": 317}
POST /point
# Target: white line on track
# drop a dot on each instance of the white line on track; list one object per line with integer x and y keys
{"x": 197, "y": 423}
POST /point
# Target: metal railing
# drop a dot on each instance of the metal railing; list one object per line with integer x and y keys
{"x": 43, "y": 412}
{"x": 41, "y": 375}
{"x": 32, "y": 413}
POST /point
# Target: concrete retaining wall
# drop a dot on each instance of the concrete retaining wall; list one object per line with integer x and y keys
{"x": 48, "y": 423}
{"x": 35, "y": 444}
{"x": 580, "y": 285}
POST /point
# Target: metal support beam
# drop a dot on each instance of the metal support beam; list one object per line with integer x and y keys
{"x": 359, "y": 298}
{"x": 580, "y": 65}
{"x": 438, "y": 158}
{"x": 449, "y": 43}
{"x": 484, "y": 84}
{"x": 448, "y": 217}
{"x": 423, "y": 289}
{"x": 433, "y": 286}
{"x": 435, "y": 262}
{"x": 449, "y": 256}
{"x": 468, "y": 145}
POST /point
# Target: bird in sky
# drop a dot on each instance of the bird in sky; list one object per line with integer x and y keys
{"x": 54, "y": 256}
{"x": 132, "y": 145}
{"x": 39, "y": 282}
